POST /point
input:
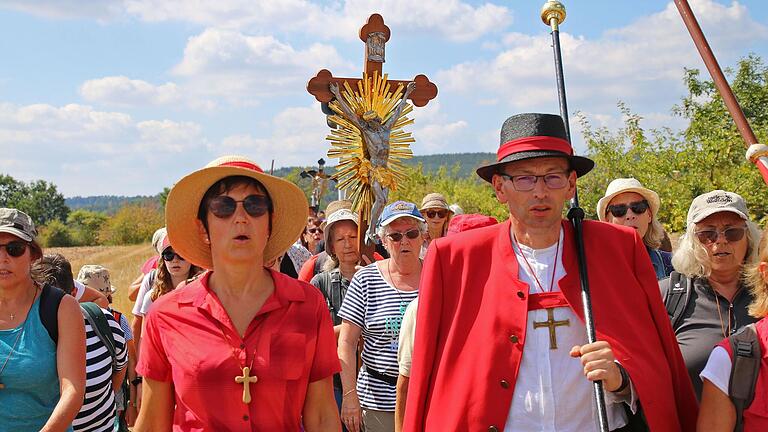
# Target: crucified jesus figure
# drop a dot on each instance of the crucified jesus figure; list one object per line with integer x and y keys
{"x": 376, "y": 137}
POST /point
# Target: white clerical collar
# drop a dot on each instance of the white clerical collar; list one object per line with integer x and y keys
{"x": 544, "y": 254}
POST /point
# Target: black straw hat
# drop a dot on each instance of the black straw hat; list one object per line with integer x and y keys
{"x": 532, "y": 135}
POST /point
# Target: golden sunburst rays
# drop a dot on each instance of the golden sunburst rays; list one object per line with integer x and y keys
{"x": 354, "y": 171}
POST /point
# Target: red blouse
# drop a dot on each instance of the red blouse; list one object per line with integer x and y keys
{"x": 290, "y": 343}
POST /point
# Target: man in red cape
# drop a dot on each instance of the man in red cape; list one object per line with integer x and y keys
{"x": 500, "y": 338}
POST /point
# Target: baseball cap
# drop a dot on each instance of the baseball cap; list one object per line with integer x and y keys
{"x": 397, "y": 210}
{"x": 716, "y": 201}
{"x": 18, "y": 223}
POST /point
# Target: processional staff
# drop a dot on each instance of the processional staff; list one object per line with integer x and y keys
{"x": 756, "y": 153}
{"x": 553, "y": 14}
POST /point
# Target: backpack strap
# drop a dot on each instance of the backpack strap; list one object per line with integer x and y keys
{"x": 678, "y": 296}
{"x": 100, "y": 325}
{"x": 50, "y": 299}
{"x": 747, "y": 356}
{"x": 336, "y": 295}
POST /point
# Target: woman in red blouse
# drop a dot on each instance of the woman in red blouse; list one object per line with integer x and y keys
{"x": 243, "y": 348}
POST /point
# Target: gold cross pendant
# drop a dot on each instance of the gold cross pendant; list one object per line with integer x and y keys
{"x": 246, "y": 379}
{"x": 551, "y": 324}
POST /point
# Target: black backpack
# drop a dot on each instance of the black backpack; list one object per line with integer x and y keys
{"x": 746, "y": 359}
{"x": 678, "y": 296}
{"x": 50, "y": 299}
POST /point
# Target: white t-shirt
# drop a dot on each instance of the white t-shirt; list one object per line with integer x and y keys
{"x": 143, "y": 291}
{"x": 79, "y": 290}
{"x": 407, "y": 335}
{"x": 718, "y": 369}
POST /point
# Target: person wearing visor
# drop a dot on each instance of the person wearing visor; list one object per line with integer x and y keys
{"x": 242, "y": 347}
{"x": 628, "y": 203}
{"x": 437, "y": 213}
{"x": 706, "y": 296}
{"x": 373, "y": 308}
{"x": 500, "y": 342}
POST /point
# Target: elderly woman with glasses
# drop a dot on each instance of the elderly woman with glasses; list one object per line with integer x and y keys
{"x": 437, "y": 213}
{"x": 628, "y": 203}
{"x": 373, "y": 308}
{"x": 705, "y": 296}
{"x": 242, "y": 347}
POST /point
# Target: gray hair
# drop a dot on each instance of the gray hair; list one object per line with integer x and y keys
{"x": 381, "y": 231}
{"x": 655, "y": 234}
{"x": 692, "y": 259}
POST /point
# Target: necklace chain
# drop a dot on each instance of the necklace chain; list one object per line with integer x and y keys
{"x": 530, "y": 269}
{"x": 18, "y": 336}
{"x": 720, "y": 316}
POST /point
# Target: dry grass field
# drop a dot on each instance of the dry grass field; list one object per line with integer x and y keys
{"x": 123, "y": 263}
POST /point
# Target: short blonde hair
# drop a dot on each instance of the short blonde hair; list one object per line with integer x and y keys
{"x": 691, "y": 257}
{"x": 755, "y": 281}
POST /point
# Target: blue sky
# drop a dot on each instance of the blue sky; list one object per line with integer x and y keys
{"x": 124, "y": 97}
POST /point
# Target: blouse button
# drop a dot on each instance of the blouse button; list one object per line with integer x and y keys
{"x": 245, "y": 418}
{"x": 504, "y": 384}
{"x": 514, "y": 339}
{"x": 521, "y": 294}
{"x": 242, "y": 346}
{"x": 493, "y": 429}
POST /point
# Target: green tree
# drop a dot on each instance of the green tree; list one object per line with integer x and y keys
{"x": 708, "y": 155}
{"x": 132, "y": 224}
{"x": 55, "y": 234}
{"x": 85, "y": 226}
{"x": 39, "y": 199}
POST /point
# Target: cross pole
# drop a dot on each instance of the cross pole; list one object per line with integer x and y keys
{"x": 375, "y": 35}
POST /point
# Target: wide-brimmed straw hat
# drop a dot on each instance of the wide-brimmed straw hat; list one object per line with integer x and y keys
{"x": 533, "y": 135}
{"x": 289, "y": 209}
{"x": 622, "y": 185}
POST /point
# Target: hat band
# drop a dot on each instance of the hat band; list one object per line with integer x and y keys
{"x": 243, "y": 164}
{"x": 534, "y": 143}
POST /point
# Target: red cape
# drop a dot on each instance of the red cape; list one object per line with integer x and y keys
{"x": 471, "y": 324}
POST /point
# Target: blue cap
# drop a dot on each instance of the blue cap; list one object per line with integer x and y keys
{"x": 397, "y": 210}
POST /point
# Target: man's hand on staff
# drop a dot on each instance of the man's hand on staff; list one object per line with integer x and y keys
{"x": 599, "y": 363}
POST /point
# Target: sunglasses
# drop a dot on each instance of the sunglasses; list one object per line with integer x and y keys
{"x": 224, "y": 206}
{"x": 15, "y": 248}
{"x": 731, "y": 234}
{"x": 411, "y": 234}
{"x": 637, "y": 207}
{"x": 314, "y": 230}
{"x": 169, "y": 254}
{"x": 436, "y": 213}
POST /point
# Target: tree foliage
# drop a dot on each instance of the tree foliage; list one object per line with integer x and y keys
{"x": 708, "y": 155}
{"x": 55, "y": 234}
{"x": 132, "y": 224}
{"x": 39, "y": 199}
{"x": 84, "y": 226}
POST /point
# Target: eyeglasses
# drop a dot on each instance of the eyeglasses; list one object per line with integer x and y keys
{"x": 15, "y": 248}
{"x": 731, "y": 234}
{"x": 436, "y": 213}
{"x": 619, "y": 210}
{"x": 411, "y": 234}
{"x": 169, "y": 254}
{"x": 224, "y": 206}
{"x": 525, "y": 183}
{"x": 314, "y": 230}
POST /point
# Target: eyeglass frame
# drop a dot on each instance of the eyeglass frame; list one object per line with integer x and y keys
{"x": 401, "y": 235}
{"x": 512, "y": 178}
{"x": 628, "y": 207}
{"x": 718, "y": 233}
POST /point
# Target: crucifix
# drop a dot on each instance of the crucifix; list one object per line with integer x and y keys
{"x": 319, "y": 182}
{"x": 371, "y": 161}
{"x": 552, "y": 325}
{"x": 246, "y": 379}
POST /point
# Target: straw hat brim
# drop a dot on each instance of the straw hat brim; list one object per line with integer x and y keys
{"x": 650, "y": 196}
{"x": 289, "y": 214}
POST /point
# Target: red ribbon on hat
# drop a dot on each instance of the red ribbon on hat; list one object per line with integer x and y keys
{"x": 243, "y": 164}
{"x": 534, "y": 143}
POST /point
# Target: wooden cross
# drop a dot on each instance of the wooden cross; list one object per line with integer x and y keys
{"x": 551, "y": 324}
{"x": 246, "y": 379}
{"x": 375, "y": 35}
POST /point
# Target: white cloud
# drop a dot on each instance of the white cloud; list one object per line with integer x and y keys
{"x": 101, "y": 10}
{"x": 244, "y": 69}
{"x": 452, "y": 19}
{"x": 121, "y": 90}
{"x": 435, "y": 132}
{"x": 641, "y": 63}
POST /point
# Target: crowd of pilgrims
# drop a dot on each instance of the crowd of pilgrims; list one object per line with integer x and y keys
{"x": 227, "y": 334}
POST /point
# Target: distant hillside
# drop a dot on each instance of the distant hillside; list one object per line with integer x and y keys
{"x": 109, "y": 204}
{"x": 467, "y": 163}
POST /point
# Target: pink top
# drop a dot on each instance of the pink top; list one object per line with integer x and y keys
{"x": 150, "y": 264}
{"x": 292, "y": 337}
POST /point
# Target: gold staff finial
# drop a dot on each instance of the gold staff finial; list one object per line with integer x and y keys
{"x": 553, "y": 13}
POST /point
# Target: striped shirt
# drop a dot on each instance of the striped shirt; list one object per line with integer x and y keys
{"x": 98, "y": 411}
{"x": 377, "y": 307}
